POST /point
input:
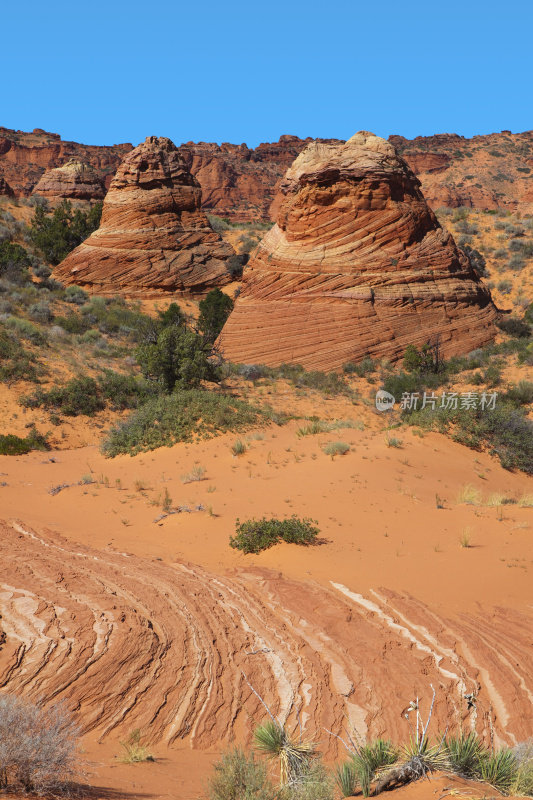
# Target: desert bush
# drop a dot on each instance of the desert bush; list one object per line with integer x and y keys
{"x": 124, "y": 391}
{"x": 504, "y": 286}
{"x": 238, "y": 448}
{"x": 78, "y": 396}
{"x": 73, "y": 323}
{"x": 75, "y": 295}
{"x": 16, "y": 363}
{"x": 182, "y": 416}
{"x": 500, "y": 769}
{"x": 38, "y": 746}
{"x": 134, "y": 751}
{"x": 336, "y": 449}
{"x": 14, "y": 262}
{"x": 41, "y": 312}
{"x": 11, "y": 445}
{"x": 56, "y": 234}
{"x": 364, "y": 368}
{"x": 514, "y": 327}
{"x": 178, "y": 357}
{"x": 253, "y": 536}
{"x": 238, "y": 776}
{"x": 215, "y": 308}
{"x": 505, "y": 430}
{"x": 521, "y": 394}
{"x": 464, "y": 753}
{"x": 26, "y": 329}
{"x": 326, "y": 382}
{"x": 476, "y": 259}
{"x": 516, "y": 262}
{"x": 219, "y": 224}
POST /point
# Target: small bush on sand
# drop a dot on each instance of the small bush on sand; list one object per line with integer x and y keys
{"x": 135, "y": 751}
{"x": 182, "y": 416}
{"x": 336, "y": 449}
{"x": 238, "y": 776}
{"x": 253, "y": 536}
{"x": 38, "y": 747}
{"x": 11, "y": 445}
{"x": 464, "y": 753}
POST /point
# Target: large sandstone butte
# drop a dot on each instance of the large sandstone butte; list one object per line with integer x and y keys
{"x": 153, "y": 235}
{"x": 74, "y": 180}
{"x": 356, "y": 265}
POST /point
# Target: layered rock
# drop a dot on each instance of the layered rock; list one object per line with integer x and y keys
{"x": 73, "y": 180}
{"x": 153, "y": 235}
{"x": 24, "y": 157}
{"x": 356, "y": 265}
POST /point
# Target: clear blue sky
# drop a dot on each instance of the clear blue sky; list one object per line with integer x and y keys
{"x": 104, "y": 72}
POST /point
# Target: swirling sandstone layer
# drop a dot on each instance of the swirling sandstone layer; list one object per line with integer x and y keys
{"x": 153, "y": 235}
{"x": 356, "y": 265}
{"x": 129, "y": 643}
{"x": 74, "y": 180}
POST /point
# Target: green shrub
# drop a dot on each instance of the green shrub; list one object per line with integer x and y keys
{"x": 253, "y": 536}
{"x": 178, "y": 357}
{"x": 78, "y": 396}
{"x": 124, "y": 391}
{"x": 26, "y": 329}
{"x": 521, "y": 394}
{"x": 14, "y": 262}
{"x": 182, "y": 416}
{"x": 336, "y": 449}
{"x": 499, "y": 769}
{"x": 238, "y": 776}
{"x": 514, "y": 327}
{"x": 364, "y": 368}
{"x": 73, "y": 323}
{"x": 464, "y": 753}
{"x": 11, "y": 445}
{"x": 215, "y": 308}
{"x": 15, "y": 362}
{"x": 58, "y": 233}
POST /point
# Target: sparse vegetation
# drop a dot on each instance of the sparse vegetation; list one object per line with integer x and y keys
{"x": 135, "y": 751}
{"x": 11, "y": 445}
{"x": 55, "y": 234}
{"x": 38, "y": 747}
{"x": 253, "y": 536}
{"x": 180, "y": 417}
{"x": 336, "y": 449}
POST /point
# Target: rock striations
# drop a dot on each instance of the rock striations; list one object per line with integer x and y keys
{"x": 153, "y": 236}
{"x": 74, "y": 180}
{"x": 356, "y": 265}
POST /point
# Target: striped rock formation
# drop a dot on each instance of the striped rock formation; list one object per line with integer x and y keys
{"x": 153, "y": 236}
{"x": 74, "y": 180}
{"x": 356, "y": 265}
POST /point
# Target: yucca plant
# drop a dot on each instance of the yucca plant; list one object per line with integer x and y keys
{"x": 345, "y": 778}
{"x": 370, "y": 758}
{"x": 464, "y": 752}
{"x": 500, "y": 769}
{"x": 294, "y": 756}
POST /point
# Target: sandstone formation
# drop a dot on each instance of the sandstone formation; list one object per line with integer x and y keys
{"x": 24, "y": 157}
{"x": 153, "y": 235}
{"x": 356, "y": 265}
{"x": 74, "y": 180}
{"x": 239, "y": 182}
{"x": 133, "y": 643}
{"x": 5, "y": 188}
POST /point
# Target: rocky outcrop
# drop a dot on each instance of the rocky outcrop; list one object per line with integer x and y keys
{"x": 24, "y": 157}
{"x": 74, "y": 180}
{"x": 238, "y": 182}
{"x": 172, "y": 649}
{"x": 153, "y": 235}
{"x": 356, "y": 265}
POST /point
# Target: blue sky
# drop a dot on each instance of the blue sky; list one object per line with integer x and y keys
{"x": 105, "y": 72}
